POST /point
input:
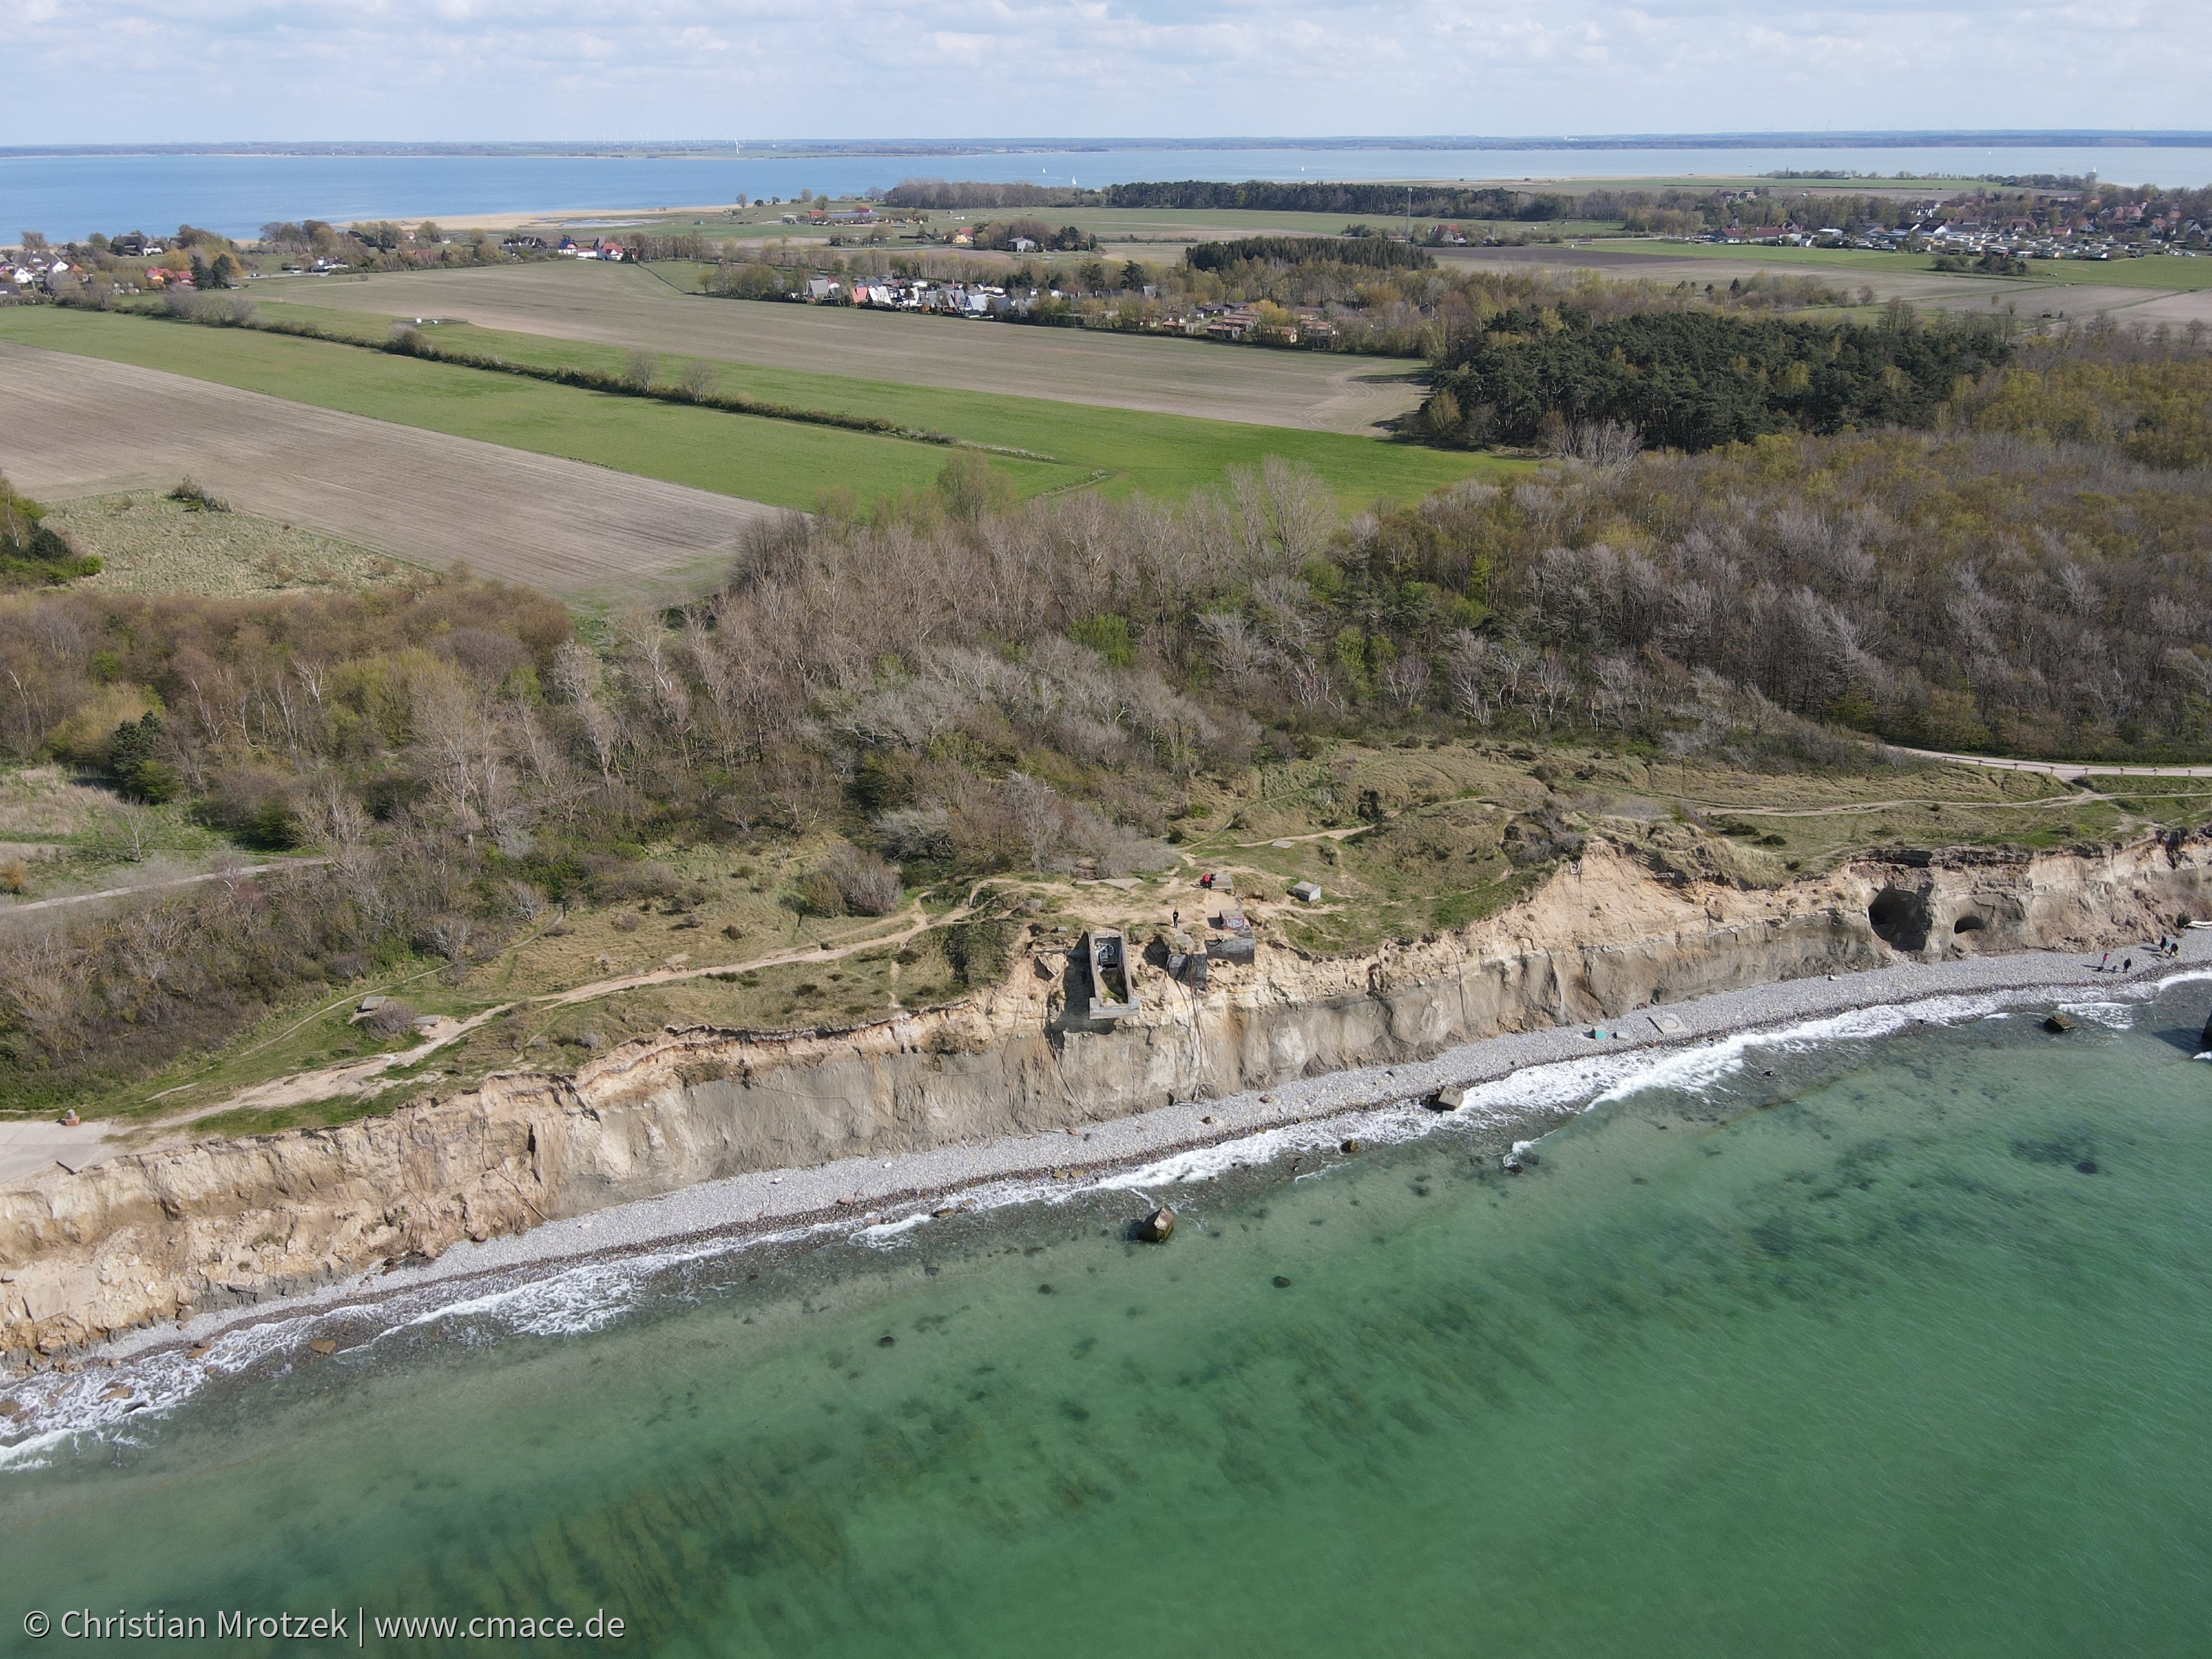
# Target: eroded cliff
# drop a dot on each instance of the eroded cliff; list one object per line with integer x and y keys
{"x": 146, "y": 1236}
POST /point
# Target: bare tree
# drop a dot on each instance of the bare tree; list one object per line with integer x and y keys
{"x": 1471, "y": 675}
{"x": 1551, "y": 681}
{"x": 699, "y": 379}
{"x": 1406, "y": 682}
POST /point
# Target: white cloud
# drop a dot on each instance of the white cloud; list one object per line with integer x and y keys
{"x": 133, "y": 69}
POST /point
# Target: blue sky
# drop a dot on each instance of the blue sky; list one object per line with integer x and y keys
{"x": 135, "y": 71}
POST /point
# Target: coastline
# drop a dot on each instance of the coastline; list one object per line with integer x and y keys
{"x": 855, "y": 1195}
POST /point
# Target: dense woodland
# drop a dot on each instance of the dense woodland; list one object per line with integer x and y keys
{"x": 1690, "y": 379}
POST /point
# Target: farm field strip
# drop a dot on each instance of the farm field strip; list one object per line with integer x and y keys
{"x": 2161, "y": 272}
{"x": 1161, "y": 455}
{"x": 634, "y": 308}
{"x": 779, "y": 463}
{"x": 82, "y": 426}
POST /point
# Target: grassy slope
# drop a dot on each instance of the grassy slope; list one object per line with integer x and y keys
{"x": 2159, "y": 271}
{"x": 1161, "y": 455}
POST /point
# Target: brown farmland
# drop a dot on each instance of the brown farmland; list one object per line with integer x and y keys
{"x": 79, "y": 426}
{"x": 610, "y": 305}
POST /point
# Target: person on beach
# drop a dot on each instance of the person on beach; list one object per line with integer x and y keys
{"x": 2105, "y": 966}
{"x": 2128, "y": 966}
{"x": 1174, "y": 918}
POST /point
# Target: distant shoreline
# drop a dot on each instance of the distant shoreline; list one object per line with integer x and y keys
{"x": 806, "y": 148}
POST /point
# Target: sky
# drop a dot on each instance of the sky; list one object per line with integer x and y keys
{"x": 133, "y": 71}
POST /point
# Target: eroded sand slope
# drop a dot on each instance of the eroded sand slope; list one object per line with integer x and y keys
{"x": 139, "y": 1237}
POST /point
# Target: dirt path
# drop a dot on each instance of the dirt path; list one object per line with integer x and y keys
{"x": 358, "y": 1076}
{"x": 2063, "y": 770}
{"x": 82, "y": 426}
{"x": 157, "y": 886}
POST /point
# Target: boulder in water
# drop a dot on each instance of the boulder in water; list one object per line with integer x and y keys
{"x": 2058, "y": 1023}
{"x": 1157, "y": 1228}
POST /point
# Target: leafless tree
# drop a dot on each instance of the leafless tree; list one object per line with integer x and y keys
{"x": 699, "y": 379}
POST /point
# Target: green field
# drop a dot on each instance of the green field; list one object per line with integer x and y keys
{"x": 2158, "y": 271}
{"x": 786, "y": 464}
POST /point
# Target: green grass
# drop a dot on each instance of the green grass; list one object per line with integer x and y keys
{"x": 2158, "y": 271}
{"x": 782, "y": 463}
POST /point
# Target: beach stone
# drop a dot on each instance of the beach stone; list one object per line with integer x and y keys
{"x": 887, "y": 1342}
{"x": 1044, "y": 1290}
{"x": 1158, "y": 1227}
{"x": 2205, "y": 1041}
{"x": 1347, "y": 1147}
{"x": 1281, "y": 1283}
{"x": 2088, "y": 1166}
{"x": 2058, "y": 1023}
{"x": 322, "y": 1345}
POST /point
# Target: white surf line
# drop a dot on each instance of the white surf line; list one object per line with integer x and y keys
{"x": 855, "y": 1195}
{"x": 575, "y": 1295}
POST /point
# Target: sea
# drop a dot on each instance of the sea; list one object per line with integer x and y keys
{"x": 69, "y": 197}
{"x": 1889, "y": 1334}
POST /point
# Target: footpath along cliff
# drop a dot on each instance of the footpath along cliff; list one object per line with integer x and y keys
{"x": 147, "y": 1235}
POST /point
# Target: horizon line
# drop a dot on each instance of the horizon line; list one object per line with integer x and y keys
{"x": 797, "y": 148}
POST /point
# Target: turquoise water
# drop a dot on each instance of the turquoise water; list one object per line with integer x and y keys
{"x": 1904, "y": 1348}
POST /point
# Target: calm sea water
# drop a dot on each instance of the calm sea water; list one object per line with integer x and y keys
{"x": 1887, "y": 1345}
{"x": 74, "y": 196}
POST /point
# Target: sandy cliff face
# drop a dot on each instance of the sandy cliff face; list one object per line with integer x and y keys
{"x": 143, "y": 1237}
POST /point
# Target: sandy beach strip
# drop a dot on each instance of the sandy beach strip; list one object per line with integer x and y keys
{"x": 851, "y": 1193}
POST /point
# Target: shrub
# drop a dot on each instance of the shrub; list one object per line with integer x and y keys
{"x": 82, "y": 737}
{"x": 867, "y": 885}
{"x": 29, "y": 552}
{"x": 134, "y": 761}
{"x": 916, "y": 832}
{"x": 196, "y": 497}
{"x": 817, "y": 894}
{"x": 390, "y": 1020}
{"x": 980, "y": 950}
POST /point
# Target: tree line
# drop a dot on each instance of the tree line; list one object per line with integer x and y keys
{"x": 1372, "y": 251}
{"x": 1694, "y": 379}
